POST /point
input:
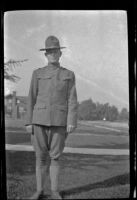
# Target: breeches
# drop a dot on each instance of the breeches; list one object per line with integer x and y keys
{"x": 48, "y": 142}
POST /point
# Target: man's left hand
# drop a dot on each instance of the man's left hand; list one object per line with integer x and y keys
{"x": 70, "y": 128}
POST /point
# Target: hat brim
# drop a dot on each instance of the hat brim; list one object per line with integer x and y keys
{"x": 52, "y": 48}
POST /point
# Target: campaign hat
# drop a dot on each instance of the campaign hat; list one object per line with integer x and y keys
{"x": 52, "y": 42}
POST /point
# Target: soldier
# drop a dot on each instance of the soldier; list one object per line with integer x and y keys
{"x": 51, "y": 115}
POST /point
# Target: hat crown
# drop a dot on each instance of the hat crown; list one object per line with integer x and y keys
{"x": 52, "y": 42}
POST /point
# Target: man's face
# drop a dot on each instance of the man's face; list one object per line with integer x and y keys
{"x": 53, "y": 55}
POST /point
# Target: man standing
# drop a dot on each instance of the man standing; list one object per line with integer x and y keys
{"x": 51, "y": 115}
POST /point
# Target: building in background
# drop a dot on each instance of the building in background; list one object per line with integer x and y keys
{"x": 15, "y": 106}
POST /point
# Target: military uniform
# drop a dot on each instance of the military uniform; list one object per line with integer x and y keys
{"x": 52, "y": 103}
{"x": 51, "y": 108}
{"x": 52, "y": 99}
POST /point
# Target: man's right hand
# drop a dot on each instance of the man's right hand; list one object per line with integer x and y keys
{"x": 29, "y": 128}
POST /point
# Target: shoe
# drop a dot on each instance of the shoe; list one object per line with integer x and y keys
{"x": 37, "y": 196}
{"x": 45, "y": 197}
{"x": 55, "y": 195}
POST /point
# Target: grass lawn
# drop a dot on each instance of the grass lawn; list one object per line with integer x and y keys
{"x": 79, "y": 141}
{"x": 83, "y": 140}
{"x": 96, "y": 138}
{"x": 81, "y": 177}
{"x": 86, "y": 126}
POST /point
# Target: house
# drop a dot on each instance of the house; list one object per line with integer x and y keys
{"x": 15, "y": 106}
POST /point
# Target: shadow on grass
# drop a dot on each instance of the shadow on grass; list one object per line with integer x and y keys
{"x": 20, "y": 164}
{"x": 81, "y": 161}
{"x": 111, "y": 182}
{"x": 24, "y": 162}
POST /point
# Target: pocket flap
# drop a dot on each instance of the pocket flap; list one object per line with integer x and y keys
{"x": 61, "y": 107}
{"x": 40, "y": 106}
{"x": 45, "y": 76}
{"x": 66, "y": 78}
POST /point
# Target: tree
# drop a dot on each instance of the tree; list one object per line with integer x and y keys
{"x": 84, "y": 110}
{"x": 106, "y": 111}
{"x": 113, "y": 113}
{"x": 100, "y": 111}
{"x": 8, "y": 67}
{"x": 124, "y": 114}
{"x": 87, "y": 110}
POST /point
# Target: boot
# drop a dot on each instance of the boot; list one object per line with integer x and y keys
{"x": 55, "y": 195}
{"x": 54, "y": 176}
{"x": 37, "y": 195}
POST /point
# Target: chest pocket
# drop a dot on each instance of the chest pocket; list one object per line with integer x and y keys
{"x": 44, "y": 82}
{"x": 63, "y": 83}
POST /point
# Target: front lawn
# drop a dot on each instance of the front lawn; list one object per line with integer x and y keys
{"x": 82, "y": 176}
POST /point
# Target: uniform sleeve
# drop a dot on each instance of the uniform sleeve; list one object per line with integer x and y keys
{"x": 31, "y": 98}
{"x": 72, "y": 103}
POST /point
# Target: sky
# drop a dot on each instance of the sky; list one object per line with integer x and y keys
{"x": 96, "y": 50}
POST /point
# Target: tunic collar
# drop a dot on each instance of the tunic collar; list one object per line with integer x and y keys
{"x": 53, "y": 66}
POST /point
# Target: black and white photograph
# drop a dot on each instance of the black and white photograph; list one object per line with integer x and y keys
{"x": 66, "y": 88}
